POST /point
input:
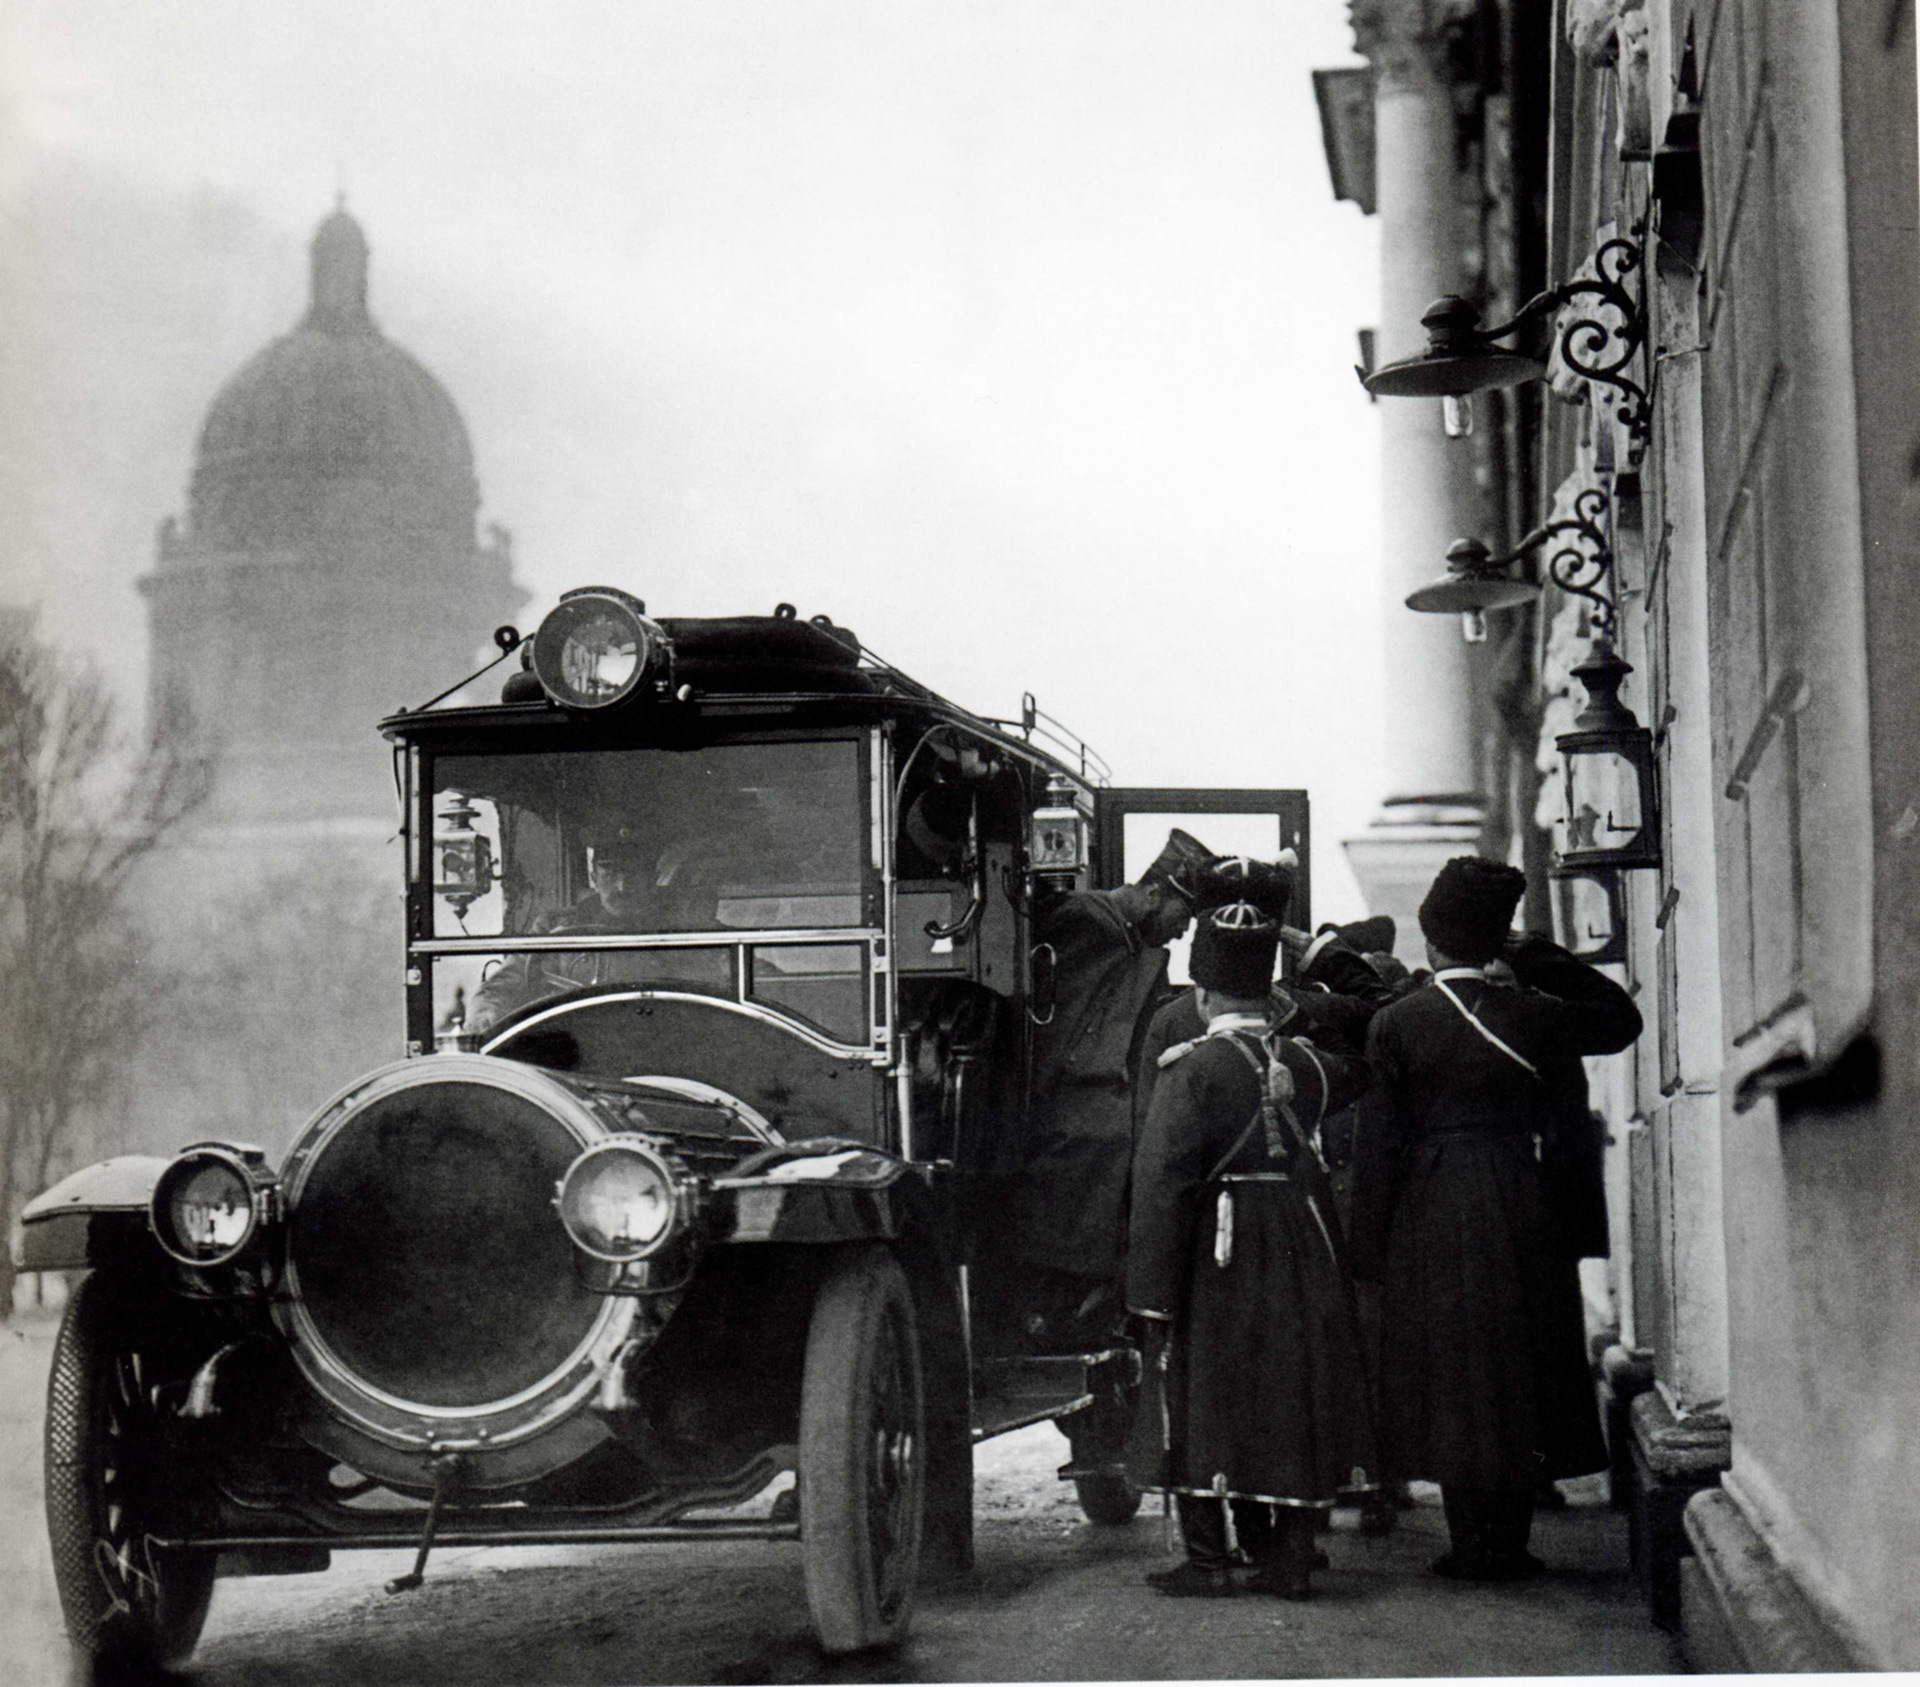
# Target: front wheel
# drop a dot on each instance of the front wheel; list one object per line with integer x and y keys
{"x": 126, "y": 1600}
{"x": 862, "y": 1476}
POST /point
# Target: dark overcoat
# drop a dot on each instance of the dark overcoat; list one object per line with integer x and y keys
{"x": 1070, "y": 1204}
{"x": 1330, "y": 1004}
{"x": 1485, "y": 1379}
{"x": 1234, "y": 1259}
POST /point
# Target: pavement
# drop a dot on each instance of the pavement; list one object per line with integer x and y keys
{"x": 1052, "y": 1598}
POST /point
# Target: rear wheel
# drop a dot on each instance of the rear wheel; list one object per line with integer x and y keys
{"x": 126, "y": 1600}
{"x": 862, "y": 1476}
{"x": 1107, "y": 1499}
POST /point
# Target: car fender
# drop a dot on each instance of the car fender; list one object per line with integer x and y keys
{"x": 815, "y": 1192}
{"x": 89, "y": 1216}
{"x": 834, "y": 1191}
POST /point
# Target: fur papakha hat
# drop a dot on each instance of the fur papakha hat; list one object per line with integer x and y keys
{"x": 1469, "y": 908}
{"x": 1233, "y": 950}
{"x": 1268, "y": 885}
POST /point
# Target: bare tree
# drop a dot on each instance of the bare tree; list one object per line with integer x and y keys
{"x": 77, "y": 813}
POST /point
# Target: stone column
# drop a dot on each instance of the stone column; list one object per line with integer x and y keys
{"x": 1433, "y": 805}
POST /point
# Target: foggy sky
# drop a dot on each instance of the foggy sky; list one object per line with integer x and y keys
{"x": 1017, "y": 335}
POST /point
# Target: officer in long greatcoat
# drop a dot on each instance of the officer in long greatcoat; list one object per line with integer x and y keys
{"x": 1110, "y": 973}
{"x": 1458, "y": 1210}
{"x": 1255, "y": 1411}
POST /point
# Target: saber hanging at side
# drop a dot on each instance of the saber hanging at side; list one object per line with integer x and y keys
{"x": 1223, "y": 1229}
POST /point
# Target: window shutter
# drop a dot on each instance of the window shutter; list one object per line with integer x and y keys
{"x": 1787, "y": 586}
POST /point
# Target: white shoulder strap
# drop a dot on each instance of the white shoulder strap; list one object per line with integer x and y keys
{"x": 1466, "y": 1013}
{"x": 1170, "y": 1055}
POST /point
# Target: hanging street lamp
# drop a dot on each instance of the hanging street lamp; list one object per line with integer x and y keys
{"x": 1476, "y": 581}
{"x": 1612, "y": 801}
{"x": 1462, "y": 358}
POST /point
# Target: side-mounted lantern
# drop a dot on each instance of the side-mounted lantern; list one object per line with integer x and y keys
{"x": 1058, "y": 844}
{"x": 1613, "y": 801}
{"x": 1594, "y": 915}
{"x": 464, "y": 869}
{"x": 598, "y": 648}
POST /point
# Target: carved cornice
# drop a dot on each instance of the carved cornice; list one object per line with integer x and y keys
{"x": 1407, "y": 39}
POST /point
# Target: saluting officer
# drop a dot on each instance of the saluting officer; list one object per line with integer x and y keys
{"x": 1255, "y": 1411}
{"x": 1334, "y": 991}
{"x": 1110, "y": 973}
{"x": 1458, "y": 1208}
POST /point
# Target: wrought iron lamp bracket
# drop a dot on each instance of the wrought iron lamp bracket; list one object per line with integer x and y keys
{"x": 1582, "y": 563}
{"x": 1596, "y": 347}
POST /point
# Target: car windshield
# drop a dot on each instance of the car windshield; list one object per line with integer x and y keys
{"x": 728, "y": 837}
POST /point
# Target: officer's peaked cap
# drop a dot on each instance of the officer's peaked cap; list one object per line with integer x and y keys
{"x": 1182, "y": 864}
{"x": 613, "y": 840}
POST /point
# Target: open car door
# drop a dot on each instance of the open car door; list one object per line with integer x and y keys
{"x": 1130, "y": 827}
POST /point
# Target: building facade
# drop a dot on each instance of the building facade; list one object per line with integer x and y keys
{"x": 1746, "y": 171}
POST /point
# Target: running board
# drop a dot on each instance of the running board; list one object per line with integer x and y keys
{"x": 1013, "y": 1393}
{"x": 393, "y": 1539}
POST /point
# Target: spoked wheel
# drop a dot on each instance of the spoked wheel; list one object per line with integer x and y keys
{"x": 126, "y": 1600}
{"x": 1105, "y": 1498}
{"x": 862, "y": 1477}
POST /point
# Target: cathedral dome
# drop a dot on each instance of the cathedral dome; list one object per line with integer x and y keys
{"x": 332, "y": 404}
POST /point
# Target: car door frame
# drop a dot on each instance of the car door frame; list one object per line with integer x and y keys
{"x": 1112, "y": 804}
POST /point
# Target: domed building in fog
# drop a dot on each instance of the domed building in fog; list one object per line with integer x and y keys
{"x": 327, "y": 570}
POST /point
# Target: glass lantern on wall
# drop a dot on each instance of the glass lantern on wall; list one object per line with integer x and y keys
{"x": 1612, "y": 796}
{"x": 1593, "y": 915}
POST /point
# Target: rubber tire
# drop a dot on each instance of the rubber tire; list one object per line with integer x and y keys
{"x": 862, "y": 1400}
{"x": 96, "y": 1475}
{"x": 1107, "y": 1500}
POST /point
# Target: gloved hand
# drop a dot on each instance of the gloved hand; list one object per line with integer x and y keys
{"x": 1153, "y": 1336}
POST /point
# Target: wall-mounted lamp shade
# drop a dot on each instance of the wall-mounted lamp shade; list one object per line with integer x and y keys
{"x": 1459, "y": 359}
{"x": 1455, "y": 594}
{"x": 1474, "y": 581}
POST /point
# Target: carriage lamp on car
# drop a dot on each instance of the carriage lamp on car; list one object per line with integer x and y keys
{"x": 210, "y": 1203}
{"x": 621, "y": 1201}
{"x": 598, "y": 648}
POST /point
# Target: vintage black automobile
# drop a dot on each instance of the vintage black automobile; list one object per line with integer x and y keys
{"x": 720, "y": 983}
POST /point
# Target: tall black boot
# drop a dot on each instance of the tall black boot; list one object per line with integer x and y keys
{"x": 1467, "y": 1529}
{"x": 1206, "y": 1572}
{"x": 1509, "y": 1523}
{"x": 1287, "y": 1572}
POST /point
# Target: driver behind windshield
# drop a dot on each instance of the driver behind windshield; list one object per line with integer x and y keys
{"x": 620, "y": 877}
